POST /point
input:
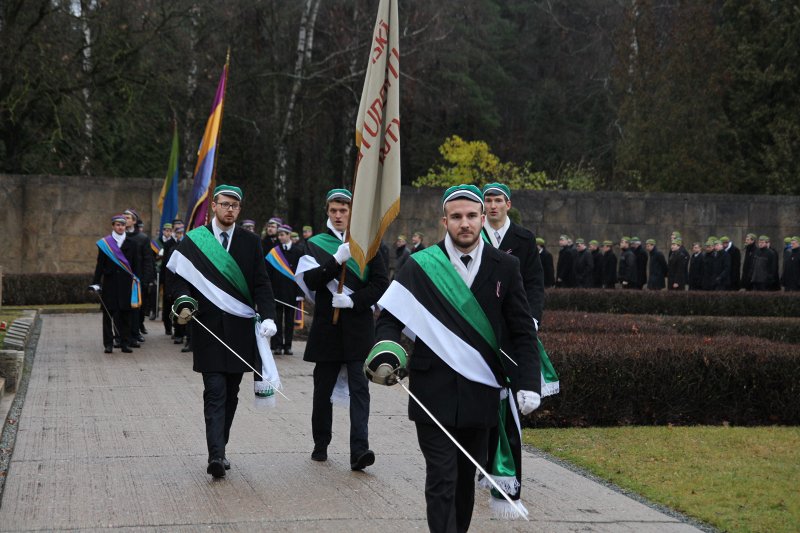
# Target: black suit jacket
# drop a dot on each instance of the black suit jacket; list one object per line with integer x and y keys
{"x": 285, "y": 289}
{"x": 237, "y": 332}
{"x": 354, "y": 334}
{"x": 521, "y": 243}
{"x": 115, "y": 282}
{"x": 454, "y": 400}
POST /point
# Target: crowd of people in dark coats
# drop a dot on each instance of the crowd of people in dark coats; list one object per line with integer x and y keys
{"x": 715, "y": 265}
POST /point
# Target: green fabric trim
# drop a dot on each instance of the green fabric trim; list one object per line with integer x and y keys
{"x": 438, "y": 268}
{"x": 221, "y": 259}
{"x": 330, "y": 244}
{"x": 548, "y": 371}
{"x": 485, "y": 237}
{"x": 503, "y": 464}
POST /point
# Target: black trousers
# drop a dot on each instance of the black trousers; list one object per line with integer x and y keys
{"x": 325, "y": 374}
{"x": 166, "y": 309}
{"x": 121, "y": 324}
{"x": 285, "y": 324}
{"x": 450, "y": 476}
{"x": 220, "y": 398}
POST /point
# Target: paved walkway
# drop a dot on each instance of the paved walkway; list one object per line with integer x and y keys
{"x": 112, "y": 441}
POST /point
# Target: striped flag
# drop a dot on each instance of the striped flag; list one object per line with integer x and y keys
{"x": 200, "y": 199}
{"x": 376, "y": 194}
{"x": 168, "y": 199}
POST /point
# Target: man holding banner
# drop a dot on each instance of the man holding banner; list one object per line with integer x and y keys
{"x": 341, "y": 346}
{"x": 461, "y": 300}
{"x": 223, "y": 283}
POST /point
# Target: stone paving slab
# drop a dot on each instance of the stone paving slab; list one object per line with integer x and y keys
{"x": 111, "y": 441}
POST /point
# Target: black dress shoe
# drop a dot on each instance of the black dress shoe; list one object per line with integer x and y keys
{"x": 143, "y": 329}
{"x": 177, "y": 340}
{"x": 108, "y": 349}
{"x": 288, "y": 351}
{"x": 134, "y": 344}
{"x": 277, "y": 351}
{"x": 362, "y": 460}
{"x": 167, "y": 331}
{"x": 116, "y": 344}
{"x": 186, "y": 348}
{"x": 216, "y": 468}
{"x": 225, "y": 463}
{"x": 153, "y": 315}
{"x": 319, "y": 454}
{"x": 140, "y": 338}
{"x": 125, "y": 349}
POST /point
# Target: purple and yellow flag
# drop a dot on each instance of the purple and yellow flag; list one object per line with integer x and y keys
{"x": 278, "y": 261}
{"x": 200, "y": 199}
{"x": 168, "y": 199}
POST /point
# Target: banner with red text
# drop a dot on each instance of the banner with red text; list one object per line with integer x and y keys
{"x": 376, "y": 194}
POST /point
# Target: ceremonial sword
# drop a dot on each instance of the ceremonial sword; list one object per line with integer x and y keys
{"x": 239, "y": 356}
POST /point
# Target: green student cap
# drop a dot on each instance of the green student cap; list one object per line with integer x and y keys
{"x": 468, "y": 192}
{"x": 497, "y": 188}
{"x": 229, "y": 190}
{"x": 341, "y": 195}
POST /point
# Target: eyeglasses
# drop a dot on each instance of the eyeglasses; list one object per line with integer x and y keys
{"x": 227, "y": 206}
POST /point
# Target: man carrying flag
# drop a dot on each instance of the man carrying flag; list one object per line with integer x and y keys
{"x": 222, "y": 280}
{"x": 461, "y": 299}
{"x": 281, "y": 265}
{"x": 118, "y": 271}
{"x": 342, "y": 346}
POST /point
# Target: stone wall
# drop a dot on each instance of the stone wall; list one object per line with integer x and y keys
{"x": 50, "y": 223}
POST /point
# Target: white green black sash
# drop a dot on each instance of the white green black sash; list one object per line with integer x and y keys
{"x": 208, "y": 267}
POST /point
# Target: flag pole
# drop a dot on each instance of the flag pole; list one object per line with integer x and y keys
{"x": 212, "y": 184}
{"x": 347, "y": 235}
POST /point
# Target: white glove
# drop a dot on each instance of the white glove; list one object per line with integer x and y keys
{"x": 299, "y": 299}
{"x": 536, "y": 324}
{"x": 267, "y": 328}
{"x": 343, "y": 253}
{"x": 528, "y": 401}
{"x": 95, "y": 288}
{"x": 342, "y": 301}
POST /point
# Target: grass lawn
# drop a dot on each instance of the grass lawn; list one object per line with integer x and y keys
{"x": 736, "y": 479}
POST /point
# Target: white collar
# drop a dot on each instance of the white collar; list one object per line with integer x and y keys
{"x": 335, "y": 231}
{"x": 467, "y": 274}
{"x": 215, "y": 226}
{"x": 502, "y": 231}
{"x": 119, "y": 239}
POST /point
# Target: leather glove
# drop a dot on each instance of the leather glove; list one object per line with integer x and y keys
{"x": 342, "y": 301}
{"x": 95, "y": 288}
{"x": 343, "y": 253}
{"x": 183, "y": 309}
{"x": 267, "y": 328}
{"x": 528, "y": 401}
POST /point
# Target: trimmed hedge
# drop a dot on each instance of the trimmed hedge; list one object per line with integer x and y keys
{"x": 610, "y": 379}
{"x": 681, "y": 303}
{"x": 772, "y": 328}
{"x": 42, "y": 289}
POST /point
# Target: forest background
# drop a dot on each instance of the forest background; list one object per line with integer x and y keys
{"x": 633, "y": 95}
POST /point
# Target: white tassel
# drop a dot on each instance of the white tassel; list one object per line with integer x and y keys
{"x": 548, "y": 389}
{"x": 502, "y": 510}
{"x": 509, "y": 484}
{"x": 340, "y": 397}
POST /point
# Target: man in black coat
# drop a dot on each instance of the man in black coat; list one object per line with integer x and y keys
{"x": 747, "y": 263}
{"x": 346, "y": 343}
{"x": 722, "y": 267}
{"x": 791, "y": 268}
{"x": 221, "y": 268}
{"x": 147, "y": 268}
{"x": 597, "y": 261}
{"x": 401, "y": 253}
{"x": 658, "y": 266}
{"x": 584, "y": 265}
{"x": 116, "y": 281}
{"x": 641, "y": 262}
{"x": 417, "y": 242}
{"x": 281, "y": 265}
{"x": 548, "y": 269}
{"x": 628, "y": 272}
{"x": 736, "y": 262}
{"x": 677, "y": 266}
{"x": 609, "y": 263}
{"x": 696, "y": 265}
{"x": 565, "y": 269}
{"x": 509, "y": 237}
{"x": 708, "y": 264}
{"x": 465, "y": 402}
{"x": 765, "y": 266}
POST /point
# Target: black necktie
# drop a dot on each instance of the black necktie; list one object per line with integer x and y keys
{"x": 286, "y": 247}
{"x": 466, "y": 259}
{"x": 225, "y": 239}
